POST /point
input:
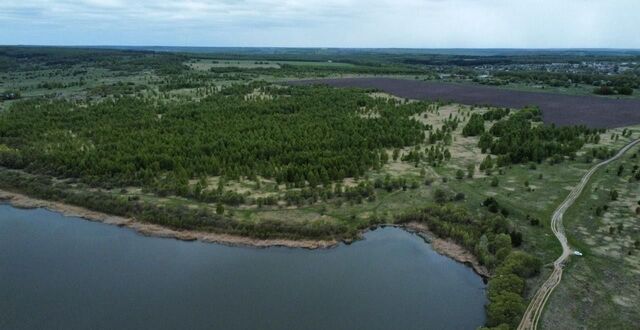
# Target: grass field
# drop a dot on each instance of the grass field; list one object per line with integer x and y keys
{"x": 601, "y": 289}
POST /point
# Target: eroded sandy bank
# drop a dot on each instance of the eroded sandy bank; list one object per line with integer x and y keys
{"x": 445, "y": 247}
{"x": 448, "y": 248}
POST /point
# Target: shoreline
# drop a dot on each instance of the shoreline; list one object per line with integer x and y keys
{"x": 148, "y": 229}
{"x": 448, "y": 248}
{"x": 441, "y": 246}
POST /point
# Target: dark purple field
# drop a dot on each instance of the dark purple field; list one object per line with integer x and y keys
{"x": 592, "y": 111}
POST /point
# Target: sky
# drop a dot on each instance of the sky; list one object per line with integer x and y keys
{"x": 324, "y": 23}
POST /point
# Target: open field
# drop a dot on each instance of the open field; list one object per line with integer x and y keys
{"x": 600, "y": 289}
{"x": 538, "y": 302}
{"x": 558, "y": 109}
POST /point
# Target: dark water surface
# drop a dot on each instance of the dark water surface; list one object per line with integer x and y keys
{"x": 68, "y": 273}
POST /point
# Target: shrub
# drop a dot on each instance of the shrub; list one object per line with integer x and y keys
{"x": 613, "y": 194}
{"x": 220, "y": 209}
{"x": 440, "y": 196}
{"x": 521, "y": 264}
{"x": 506, "y": 283}
{"x": 624, "y": 90}
{"x": 603, "y": 90}
{"x": 505, "y": 308}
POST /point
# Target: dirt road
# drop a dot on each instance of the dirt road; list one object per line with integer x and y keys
{"x": 535, "y": 308}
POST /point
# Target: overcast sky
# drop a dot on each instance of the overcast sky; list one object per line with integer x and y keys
{"x": 324, "y": 23}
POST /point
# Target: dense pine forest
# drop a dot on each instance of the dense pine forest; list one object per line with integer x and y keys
{"x": 294, "y": 135}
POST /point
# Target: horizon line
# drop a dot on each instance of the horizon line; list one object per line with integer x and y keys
{"x": 321, "y": 47}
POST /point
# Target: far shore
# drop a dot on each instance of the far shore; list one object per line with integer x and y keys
{"x": 444, "y": 247}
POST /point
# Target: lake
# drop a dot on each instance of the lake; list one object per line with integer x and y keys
{"x": 66, "y": 272}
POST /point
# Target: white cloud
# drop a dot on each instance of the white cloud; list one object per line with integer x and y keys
{"x": 347, "y": 23}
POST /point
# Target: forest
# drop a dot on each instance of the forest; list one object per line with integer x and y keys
{"x": 521, "y": 138}
{"x": 298, "y": 135}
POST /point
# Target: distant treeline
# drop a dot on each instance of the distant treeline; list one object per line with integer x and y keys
{"x": 291, "y": 70}
{"x": 620, "y": 83}
{"x": 34, "y": 58}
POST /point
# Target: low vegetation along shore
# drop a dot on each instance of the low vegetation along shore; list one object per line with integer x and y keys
{"x": 445, "y": 247}
{"x": 222, "y": 150}
{"x": 150, "y": 229}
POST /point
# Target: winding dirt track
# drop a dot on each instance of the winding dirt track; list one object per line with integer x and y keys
{"x": 534, "y": 310}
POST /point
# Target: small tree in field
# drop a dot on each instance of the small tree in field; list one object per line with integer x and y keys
{"x": 440, "y": 196}
{"x": 614, "y": 195}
